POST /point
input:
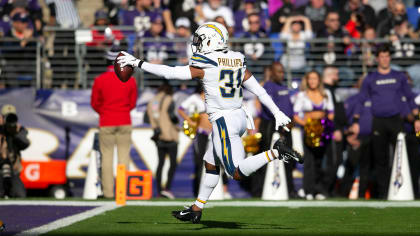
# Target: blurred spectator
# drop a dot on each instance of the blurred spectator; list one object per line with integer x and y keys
{"x": 242, "y": 17}
{"x": 398, "y": 16}
{"x": 359, "y": 152}
{"x": 387, "y": 12}
{"x": 112, "y": 10}
{"x": 254, "y": 50}
{"x": 182, "y": 8}
{"x": 63, "y": 13}
{"x": 316, "y": 11}
{"x": 183, "y": 49}
{"x": 355, "y": 28}
{"x": 279, "y": 17}
{"x": 367, "y": 48}
{"x": 101, "y": 36}
{"x": 156, "y": 51}
{"x": 167, "y": 14}
{"x": 164, "y": 123}
{"x": 214, "y": 8}
{"x": 20, "y": 29}
{"x": 167, "y": 18}
{"x": 20, "y": 50}
{"x": 400, "y": 37}
{"x": 101, "y": 18}
{"x": 332, "y": 30}
{"x": 364, "y": 12}
{"x": 295, "y": 36}
{"x": 11, "y": 7}
{"x": 384, "y": 87}
{"x": 334, "y": 157}
{"x": 277, "y": 88}
{"x": 13, "y": 139}
{"x": 113, "y": 100}
{"x": 313, "y": 107}
{"x": 140, "y": 17}
{"x": 6, "y": 20}
{"x": 403, "y": 50}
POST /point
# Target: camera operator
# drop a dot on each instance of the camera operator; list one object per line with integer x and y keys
{"x": 13, "y": 139}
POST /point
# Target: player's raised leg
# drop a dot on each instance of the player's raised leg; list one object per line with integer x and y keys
{"x": 228, "y": 146}
{"x": 253, "y": 163}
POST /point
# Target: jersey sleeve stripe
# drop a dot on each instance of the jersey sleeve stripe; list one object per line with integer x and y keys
{"x": 203, "y": 59}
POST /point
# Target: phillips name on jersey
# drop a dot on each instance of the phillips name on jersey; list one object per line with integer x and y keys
{"x": 224, "y": 72}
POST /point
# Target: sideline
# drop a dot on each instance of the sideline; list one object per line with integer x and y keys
{"x": 292, "y": 204}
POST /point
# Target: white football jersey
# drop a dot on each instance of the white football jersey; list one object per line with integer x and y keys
{"x": 224, "y": 72}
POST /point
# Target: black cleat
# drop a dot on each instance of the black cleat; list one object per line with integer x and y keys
{"x": 286, "y": 153}
{"x": 188, "y": 215}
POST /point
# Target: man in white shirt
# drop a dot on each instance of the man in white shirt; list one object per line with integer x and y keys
{"x": 214, "y": 8}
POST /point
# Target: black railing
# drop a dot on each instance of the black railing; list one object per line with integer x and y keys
{"x": 62, "y": 59}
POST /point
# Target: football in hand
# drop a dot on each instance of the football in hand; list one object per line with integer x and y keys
{"x": 123, "y": 73}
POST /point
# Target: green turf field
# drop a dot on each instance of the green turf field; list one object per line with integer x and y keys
{"x": 219, "y": 220}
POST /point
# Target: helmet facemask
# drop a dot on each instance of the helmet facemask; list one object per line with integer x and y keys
{"x": 197, "y": 43}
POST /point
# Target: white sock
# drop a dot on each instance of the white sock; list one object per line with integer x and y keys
{"x": 206, "y": 188}
{"x": 275, "y": 152}
{"x": 253, "y": 163}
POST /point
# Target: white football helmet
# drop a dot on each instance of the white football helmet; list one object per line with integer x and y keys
{"x": 209, "y": 37}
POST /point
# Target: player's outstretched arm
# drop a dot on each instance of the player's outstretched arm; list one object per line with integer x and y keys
{"x": 167, "y": 72}
{"x": 252, "y": 85}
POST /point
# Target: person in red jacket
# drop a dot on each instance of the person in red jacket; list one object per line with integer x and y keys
{"x": 113, "y": 100}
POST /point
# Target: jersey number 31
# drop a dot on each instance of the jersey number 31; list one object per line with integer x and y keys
{"x": 235, "y": 82}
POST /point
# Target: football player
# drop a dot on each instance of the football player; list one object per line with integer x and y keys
{"x": 224, "y": 75}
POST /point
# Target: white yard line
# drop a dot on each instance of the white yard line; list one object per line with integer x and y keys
{"x": 292, "y": 204}
{"x": 57, "y": 203}
{"x": 67, "y": 220}
{"x": 297, "y": 204}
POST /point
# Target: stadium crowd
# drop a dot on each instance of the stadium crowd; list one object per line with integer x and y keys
{"x": 347, "y": 30}
{"x": 350, "y": 29}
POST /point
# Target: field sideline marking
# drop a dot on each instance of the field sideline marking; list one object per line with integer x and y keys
{"x": 66, "y": 221}
{"x": 57, "y": 203}
{"x": 292, "y": 204}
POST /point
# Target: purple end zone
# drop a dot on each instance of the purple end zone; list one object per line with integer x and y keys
{"x": 18, "y": 218}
